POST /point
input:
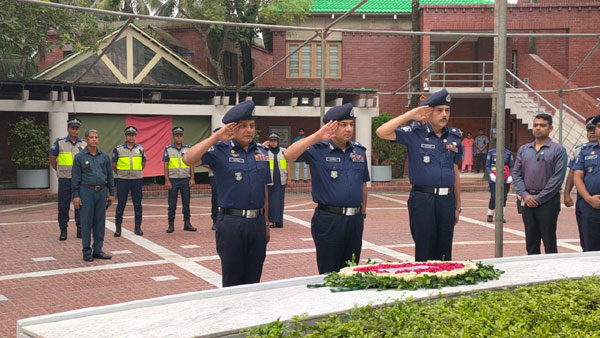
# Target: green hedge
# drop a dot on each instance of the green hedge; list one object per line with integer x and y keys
{"x": 569, "y": 308}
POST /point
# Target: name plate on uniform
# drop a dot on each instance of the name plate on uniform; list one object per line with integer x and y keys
{"x": 333, "y": 159}
{"x": 591, "y": 157}
{"x": 427, "y": 146}
{"x": 236, "y": 160}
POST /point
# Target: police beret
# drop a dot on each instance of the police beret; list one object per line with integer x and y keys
{"x": 177, "y": 130}
{"x": 241, "y": 111}
{"x": 338, "y": 113}
{"x": 274, "y": 136}
{"x": 437, "y": 99}
{"x": 74, "y": 122}
{"x": 130, "y": 130}
{"x": 595, "y": 120}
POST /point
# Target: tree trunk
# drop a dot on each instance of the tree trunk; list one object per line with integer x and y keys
{"x": 416, "y": 53}
{"x": 247, "y": 66}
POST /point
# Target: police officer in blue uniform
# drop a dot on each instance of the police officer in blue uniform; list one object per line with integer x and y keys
{"x": 179, "y": 177}
{"x": 61, "y": 157}
{"x": 339, "y": 172}
{"x": 241, "y": 172}
{"x": 587, "y": 182}
{"x": 93, "y": 189}
{"x": 490, "y": 169}
{"x": 128, "y": 161}
{"x": 434, "y": 151}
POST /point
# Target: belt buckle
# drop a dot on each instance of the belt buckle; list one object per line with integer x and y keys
{"x": 442, "y": 191}
{"x": 251, "y": 213}
{"x": 349, "y": 211}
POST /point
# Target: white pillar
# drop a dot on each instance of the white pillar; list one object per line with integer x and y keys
{"x": 215, "y": 119}
{"x": 364, "y": 133}
{"x": 57, "y": 121}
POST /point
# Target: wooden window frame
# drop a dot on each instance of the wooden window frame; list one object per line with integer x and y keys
{"x": 313, "y": 60}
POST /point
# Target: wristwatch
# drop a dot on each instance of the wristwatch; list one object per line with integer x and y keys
{"x": 459, "y": 209}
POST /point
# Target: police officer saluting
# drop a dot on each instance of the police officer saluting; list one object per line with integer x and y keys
{"x": 587, "y": 182}
{"x": 241, "y": 172}
{"x": 339, "y": 172}
{"x": 433, "y": 153}
{"x": 128, "y": 161}
{"x": 178, "y": 177}
{"x": 61, "y": 157}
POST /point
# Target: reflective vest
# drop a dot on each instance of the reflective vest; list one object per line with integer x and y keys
{"x": 129, "y": 161}
{"x": 177, "y": 169}
{"x": 66, "y": 153}
{"x": 282, "y": 165}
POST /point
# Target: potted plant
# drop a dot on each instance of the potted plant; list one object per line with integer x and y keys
{"x": 385, "y": 153}
{"x": 29, "y": 142}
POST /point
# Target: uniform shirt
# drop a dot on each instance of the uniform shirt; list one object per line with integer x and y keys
{"x": 173, "y": 156}
{"x": 133, "y": 153}
{"x": 337, "y": 176}
{"x": 575, "y": 155}
{"x": 240, "y": 176}
{"x": 542, "y": 171}
{"x": 509, "y": 161}
{"x": 589, "y": 162}
{"x": 480, "y": 141}
{"x": 92, "y": 170}
{"x": 431, "y": 159}
{"x": 64, "y": 164}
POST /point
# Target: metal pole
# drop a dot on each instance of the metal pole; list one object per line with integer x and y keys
{"x": 323, "y": 71}
{"x": 560, "y": 117}
{"x": 500, "y": 8}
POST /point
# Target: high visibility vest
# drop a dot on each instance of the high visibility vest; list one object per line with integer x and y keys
{"x": 66, "y": 153}
{"x": 177, "y": 169}
{"x": 282, "y": 162}
{"x": 129, "y": 161}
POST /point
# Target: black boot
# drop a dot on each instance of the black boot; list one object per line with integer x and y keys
{"x": 187, "y": 226}
{"x": 78, "y": 232}
{"x": 63, "y": 234}
{"x": 490, "y": 218}
{"x": 171, "y": 227}
{"x": 138, "y": 229}
{"x": 117, "y": 230}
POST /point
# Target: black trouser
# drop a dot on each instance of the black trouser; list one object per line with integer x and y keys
{"x": 492, "y": 203}
{"x": 64, "y": 204}
{"x": 214, "y": 207}
{"x": 540, "y": 224}
{"x": 480, "y": 161}
{"x": 337, "y": 238}
{"x": 182, "y": 185}
{"x": 590, "y": 227}
{"x": 242, "y": 247}
{"x": 579, "y": 219}
{"x": 124, "y": 186}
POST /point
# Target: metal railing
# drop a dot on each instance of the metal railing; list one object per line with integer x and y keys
{"x": 482, "y": 77}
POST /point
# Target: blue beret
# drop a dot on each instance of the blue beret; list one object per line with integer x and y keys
{"x": 74, "y": 122}
{"x": 595, "y": 120}
{"x": 338, "y": 113}
{"x": 241, "y": 111}
{"x": 441, "y": 98}
{"x": 130, "y": 130}
{"x": 274, "y": 136}
{"x": 177, "y": 130}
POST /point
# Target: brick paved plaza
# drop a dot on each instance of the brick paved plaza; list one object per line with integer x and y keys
{"x": 40, "y": 275}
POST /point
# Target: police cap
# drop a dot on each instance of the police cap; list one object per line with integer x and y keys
{"x": 74, "y": 122}
{"x": 338, "y": 113}
{"x": 241, "y": 111}
{"x": 130, "y": 130}
{"x": 595, "y": 120}
{"x": 589, "y": 124}
{"x": 177, "y": 131}
{"x": 274, "y": 136}
{"x": 441, "y": 98}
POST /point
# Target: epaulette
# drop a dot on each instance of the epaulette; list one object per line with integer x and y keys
{"x": 587, "y": 145}
{"x": 415, "y": 124}
{"x": 260, "y": 145}
{"x": 455, "y": 131}
{"x": 356, "y": 144}
{"x": 119, "y": 146}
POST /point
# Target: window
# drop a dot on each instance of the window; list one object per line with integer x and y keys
{"x": 307, "y": 62}
{"x": 230, "y": 66}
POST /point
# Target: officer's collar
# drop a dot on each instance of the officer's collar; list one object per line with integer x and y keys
{"x": 87, "y": 151}
{"x": 429, "y": 129}
{"x": 134, "y": 145}
{"x": 546, "y": 144}
{"x": 333, "y": 146}
{"x": 233, "y": 143}
{"x": 73, "y": 143}
{"x": 173, "y": 145}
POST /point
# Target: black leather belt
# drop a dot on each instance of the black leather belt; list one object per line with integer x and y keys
{"x": 340, "y": 210}
{"x": 251, "y": 213}
{"x": 94, "y": 187}
{"x": 533, "y": 192}
{"x": 435, "y": 191}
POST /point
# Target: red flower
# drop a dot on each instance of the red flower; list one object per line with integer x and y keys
{"x": 418, "y": 268}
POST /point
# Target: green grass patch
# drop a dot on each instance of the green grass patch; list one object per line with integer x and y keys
{"x": 568, "y": 308}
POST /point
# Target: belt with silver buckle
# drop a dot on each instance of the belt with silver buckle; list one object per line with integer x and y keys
{"x": 435, "y": 191}
{"x": 339, "y": 210}
{"x": 250, "y": 213}
{"x": 93, "y": 187}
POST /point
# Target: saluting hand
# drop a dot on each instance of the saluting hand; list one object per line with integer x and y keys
{"x": 421, "y": 114}
{"x": 226, "y": 133}
{"x": 327, "y": 131}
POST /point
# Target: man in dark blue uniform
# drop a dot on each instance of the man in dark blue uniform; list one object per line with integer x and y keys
{"x": 93, "y": 188}
{"x": 339, "y": 172}
{"x": 434, "y": 151}
{"x": 179, "y": 177}
{"x": 587, "y": 182}
{"x": 490, "y": 169}
{"x": 241, "y": 172}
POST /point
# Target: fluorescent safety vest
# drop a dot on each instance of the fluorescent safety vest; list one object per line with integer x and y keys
{"x": 66, "y": 153}
{"x": 177, "y": 168}
{"x": 129, "y": 161}
{"x": 282, "y": 165}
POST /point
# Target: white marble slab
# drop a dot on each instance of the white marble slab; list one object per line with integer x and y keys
{"x": 221, "y": 311}
{"x": 191, "y": 246}
{"x": 121, "y": 252}
{"x": 164, "y": 278}
{"x": 3, "y": 298}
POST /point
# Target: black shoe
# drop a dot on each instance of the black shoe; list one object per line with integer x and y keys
{"x": 88, "y": 257}
{"x": 138, "y": 230}
{"x": 187, "y": 226}
{"x": 101, "y": 255}
{"x": 490, "y": 219}
{"x": 79, "y": 232}
{"x": 305, "y": 181}
{"x": 171, "y": 227}
{"x": 63, "y": 234}
{"x": 118, "y": 230}
{"x": 213, "y": 227}
{"x": 278, "y": 225}
{"x": 295, "y": 181}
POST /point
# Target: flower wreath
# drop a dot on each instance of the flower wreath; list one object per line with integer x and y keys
{"x": 409, "y": 275}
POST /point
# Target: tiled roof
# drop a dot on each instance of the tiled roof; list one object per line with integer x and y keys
{"x": 385, "y": 6}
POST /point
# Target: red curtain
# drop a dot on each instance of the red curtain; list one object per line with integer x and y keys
{"x": 154, "y": 133}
